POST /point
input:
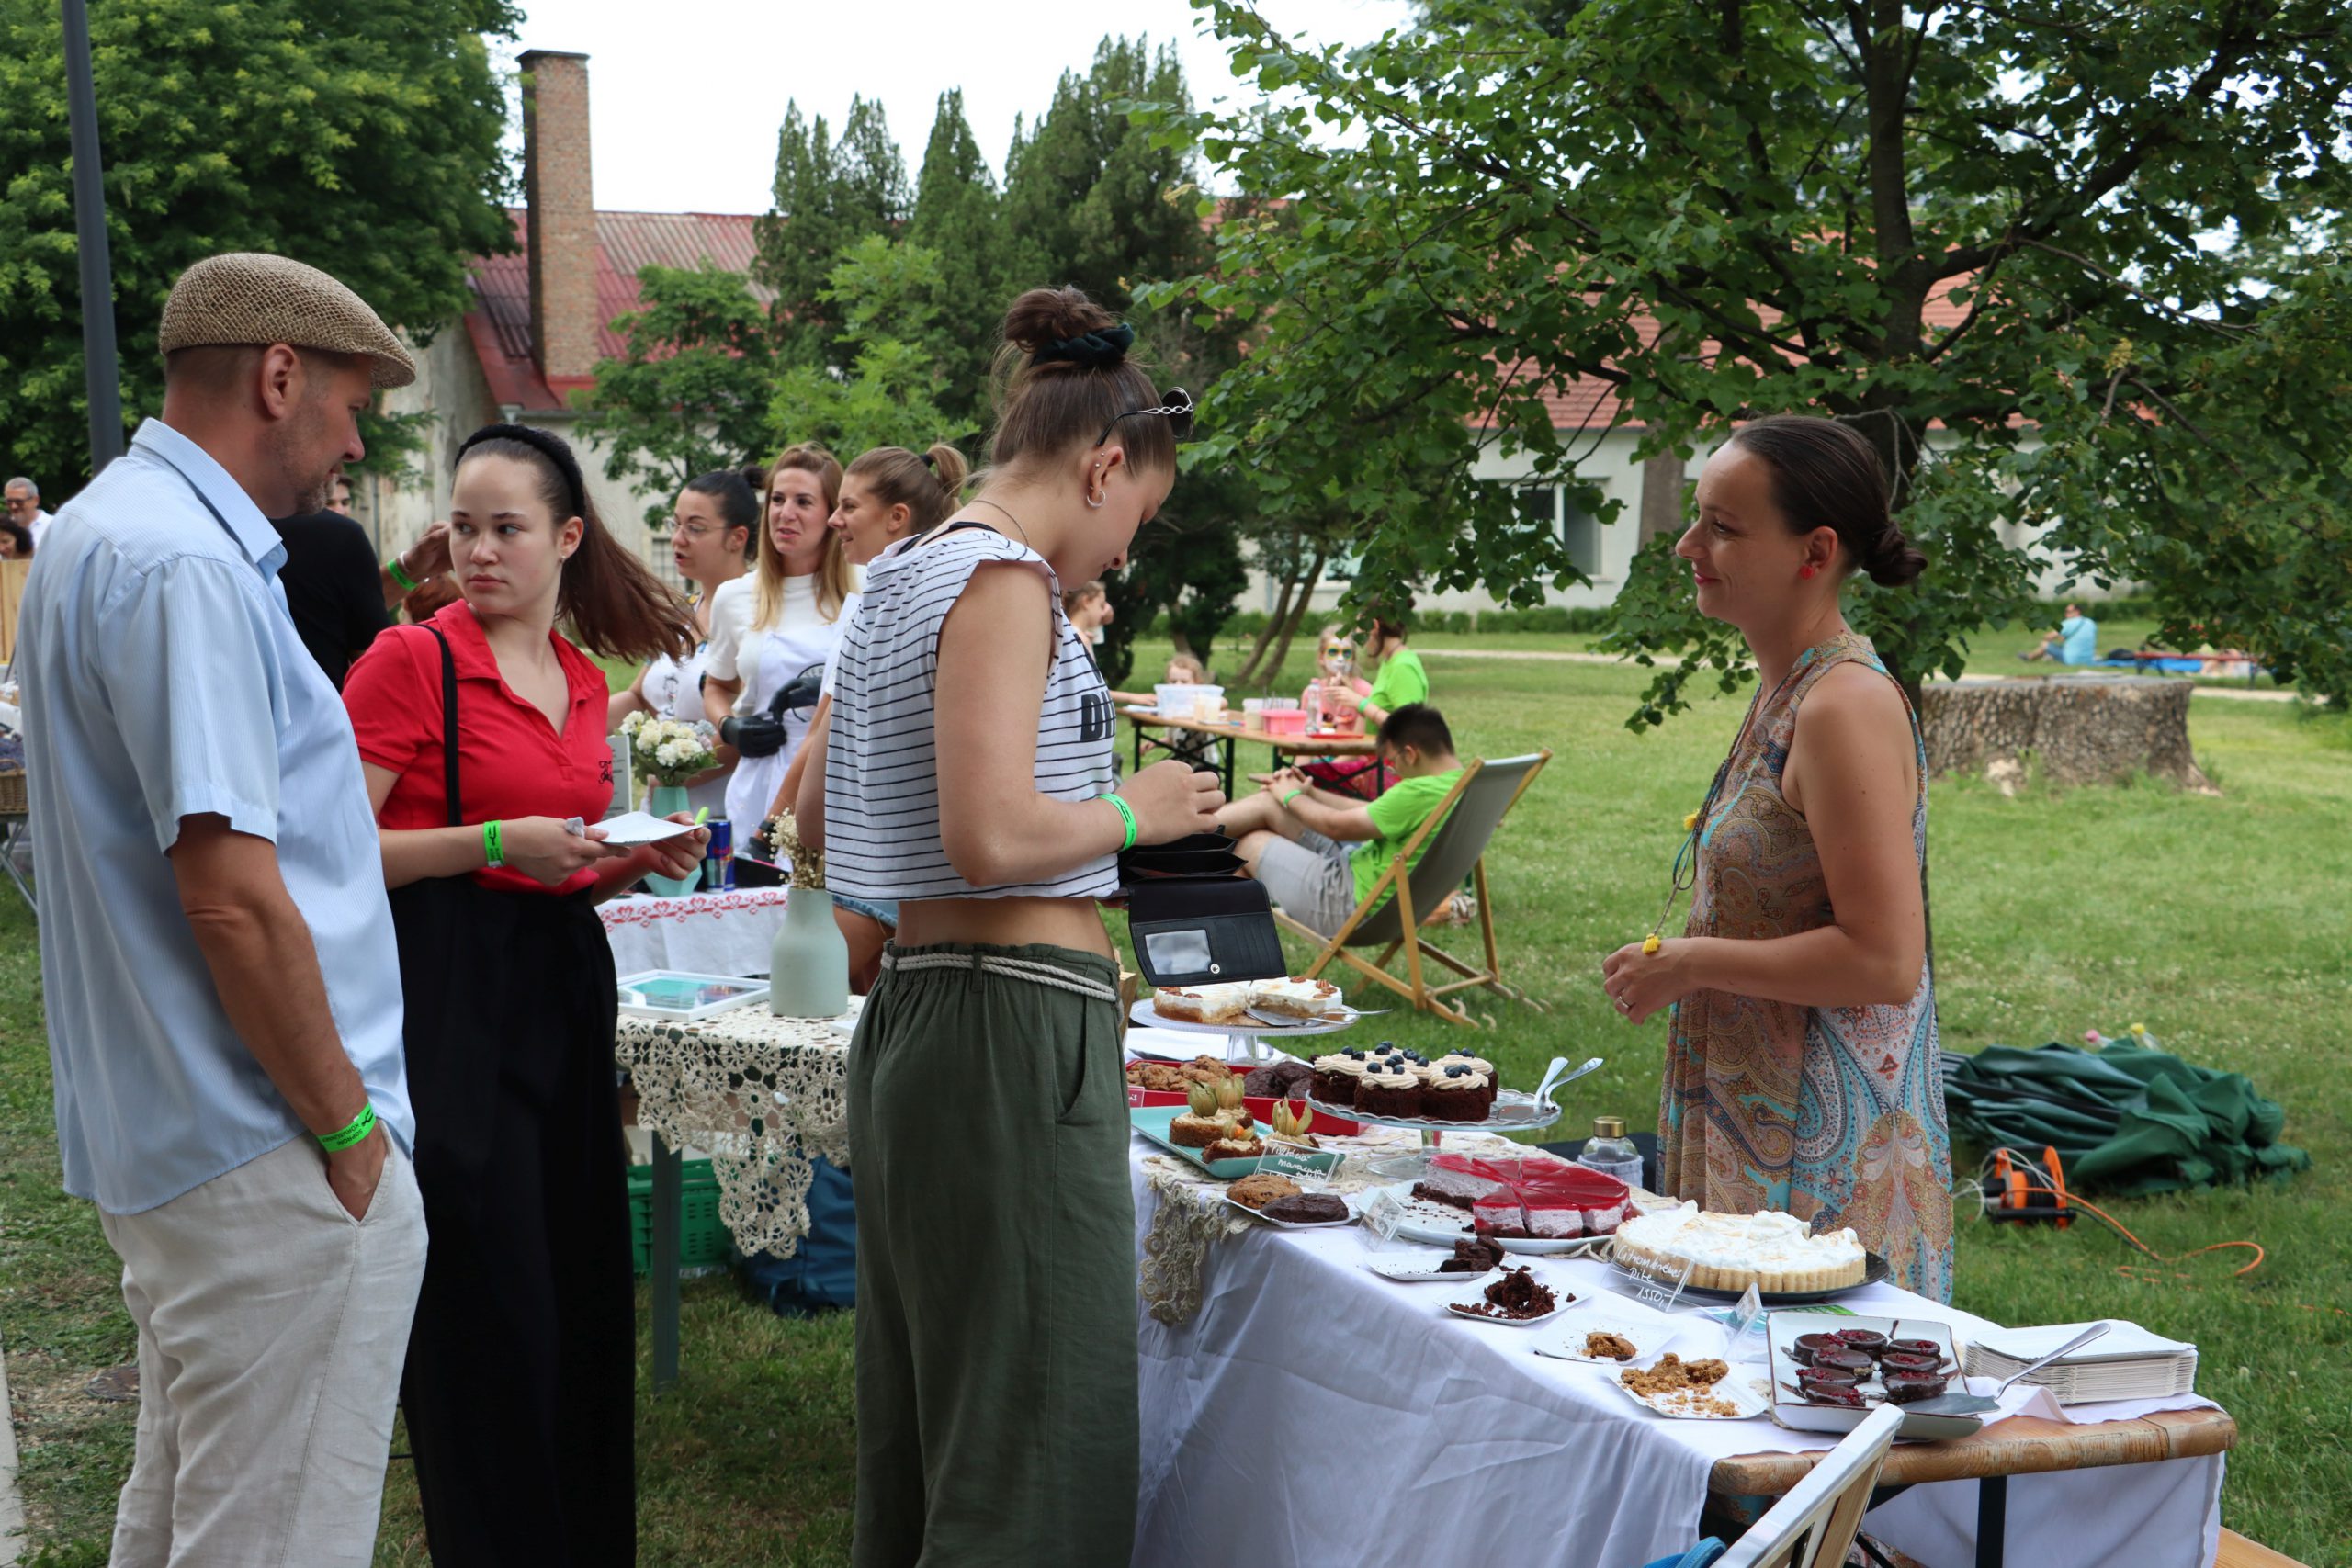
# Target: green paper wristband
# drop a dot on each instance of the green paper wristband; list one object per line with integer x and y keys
{"x": 1127, "y": 816}
{"x": 399, "y": 574}
{"x": 1292, "y": 795}
{"x": 355, "y": 1132}
{"x": 492, "y": 847}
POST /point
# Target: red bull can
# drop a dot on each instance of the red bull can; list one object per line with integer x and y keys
{"x": 718, "y": 855}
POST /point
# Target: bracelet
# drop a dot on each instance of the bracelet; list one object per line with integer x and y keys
{"x": 398, "y": 573}
{"x": 356, "y": 1131}
{"x": 493, "y": 848}
{"x": 1363, "y": 701}
{"x": 1127, "y": 816}
{"x": 1292, "y": 795}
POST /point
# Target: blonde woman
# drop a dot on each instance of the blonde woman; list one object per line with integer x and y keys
{"x": 773, "y": 629}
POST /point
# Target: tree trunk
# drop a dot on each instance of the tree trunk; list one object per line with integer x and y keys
{"x": 2076, "y": 730}
{"x": 1266, "y": 634}
{"x": 1297, "y": 615}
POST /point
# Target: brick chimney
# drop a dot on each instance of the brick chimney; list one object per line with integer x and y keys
{"x": 562, "y": 224}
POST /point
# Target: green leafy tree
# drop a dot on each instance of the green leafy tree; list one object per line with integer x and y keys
{"x": 829, "y": 195}
{"x": 1095, "y": 198}
{"x": 692, "y": 392}
{"x": 2049, "y": 257}
{"x": 361, "y": 138}
{"x": 957, "y": 218}
{"x": 885, "y": 388}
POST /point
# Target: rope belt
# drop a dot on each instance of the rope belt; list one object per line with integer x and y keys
{"x": 1022, "y": 969}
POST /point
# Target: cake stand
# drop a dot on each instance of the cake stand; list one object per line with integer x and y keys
{"x": 1246, "y": 1041}
{"x": 1514, "y": 1111}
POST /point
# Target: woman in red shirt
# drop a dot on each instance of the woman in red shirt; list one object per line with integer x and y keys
{"x": 519, "y": 1387}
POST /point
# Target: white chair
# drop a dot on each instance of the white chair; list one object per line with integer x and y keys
{"x": 1817, "y": 1522}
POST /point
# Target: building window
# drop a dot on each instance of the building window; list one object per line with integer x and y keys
{"x": 1551, "y": 505}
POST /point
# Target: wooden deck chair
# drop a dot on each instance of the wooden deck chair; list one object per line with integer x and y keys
{"x": 1817, "y": 1522}
{"x": 1390, "y": 915}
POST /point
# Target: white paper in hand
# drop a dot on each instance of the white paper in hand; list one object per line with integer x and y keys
{"x": 640, "y": 827}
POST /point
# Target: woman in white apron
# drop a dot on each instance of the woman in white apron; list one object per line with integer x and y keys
{"x": 710, "y": 544}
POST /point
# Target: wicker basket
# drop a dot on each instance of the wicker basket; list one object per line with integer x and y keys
{"x": 13, "y": 800}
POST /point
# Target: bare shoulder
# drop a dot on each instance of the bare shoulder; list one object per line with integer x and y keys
{"x": 1853, "y": 728}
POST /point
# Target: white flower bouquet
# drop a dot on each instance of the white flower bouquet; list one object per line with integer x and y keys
{"x": 784, "y": 841}
{"x": 669, "y": 751}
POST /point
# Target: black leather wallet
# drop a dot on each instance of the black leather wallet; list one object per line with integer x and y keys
{"x": 1195, "y": 921}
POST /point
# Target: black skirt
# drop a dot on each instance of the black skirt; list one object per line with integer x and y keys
{"x": 520, "y": 1384}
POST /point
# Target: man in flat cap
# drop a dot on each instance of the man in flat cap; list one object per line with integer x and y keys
{"x": 223, "y": 989}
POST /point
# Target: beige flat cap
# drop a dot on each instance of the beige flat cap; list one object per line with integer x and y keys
{"x": 246, "y": 297}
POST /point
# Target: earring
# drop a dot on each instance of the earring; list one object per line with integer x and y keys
{"x": 1093, "y": 500}
{"x": 1805, "y": 571}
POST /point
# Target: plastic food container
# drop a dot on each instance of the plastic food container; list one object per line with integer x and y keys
{"x": 1284, "y": 721}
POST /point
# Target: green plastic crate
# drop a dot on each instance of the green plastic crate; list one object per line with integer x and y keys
{"x": 702, "y": 1239}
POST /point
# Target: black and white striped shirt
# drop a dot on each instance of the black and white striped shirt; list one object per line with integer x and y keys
{"x": 882, "y": 765}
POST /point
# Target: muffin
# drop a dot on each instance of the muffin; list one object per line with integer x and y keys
{"x": 1454, "y": 1094}
{"x": 1389, "y": 1089}
{"x": 1336, "y": 1076}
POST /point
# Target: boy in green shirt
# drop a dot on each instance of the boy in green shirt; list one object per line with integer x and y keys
{"x": 1319, "y": 853}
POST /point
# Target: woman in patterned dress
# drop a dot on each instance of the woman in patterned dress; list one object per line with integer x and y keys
{"x": 1803, "y": 1073}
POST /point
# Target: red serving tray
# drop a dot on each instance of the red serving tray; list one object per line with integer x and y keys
{"x": 1262, "y": 1108}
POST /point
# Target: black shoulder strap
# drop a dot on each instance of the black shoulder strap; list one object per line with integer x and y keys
{"x": 448, "y": 726}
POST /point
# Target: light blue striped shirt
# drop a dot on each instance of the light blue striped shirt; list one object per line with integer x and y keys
{"x": 163, "y": 679}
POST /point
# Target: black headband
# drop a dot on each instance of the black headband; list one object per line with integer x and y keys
{"x": 551, "y": 447}
{"x": 1091, "y": 351}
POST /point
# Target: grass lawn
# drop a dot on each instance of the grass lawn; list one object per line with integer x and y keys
{"x": 2218, "y": 922}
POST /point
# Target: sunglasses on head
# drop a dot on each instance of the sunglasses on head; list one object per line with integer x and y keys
{"x": 1178, "y": 409}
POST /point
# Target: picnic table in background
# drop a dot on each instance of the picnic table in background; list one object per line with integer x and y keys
{"x": 1236, "y": 727}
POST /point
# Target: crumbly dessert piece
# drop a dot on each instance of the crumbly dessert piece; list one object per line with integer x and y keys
{"x": 1773, "y": 1251}
{"x": 1261, "y": 1188}
{"x": 1474, "y": 1254}
{"x": 1295, "y": 998}
{"x": 1673, "y": 1375}
{"x": 1307, "y": 1208}
{"x": 1516, "y": 1297}
{"x": 1195, "y": 1131}
{"x": 1202, "y": 1004}
{"x": 1161, "y": 1077}
{"x": 1613, "y": 1346}
{"x": 1241, "y": 1146}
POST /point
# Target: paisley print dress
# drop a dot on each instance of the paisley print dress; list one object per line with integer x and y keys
{"x": 1835, "y": 1113}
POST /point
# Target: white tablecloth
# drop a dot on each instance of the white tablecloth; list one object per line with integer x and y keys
{"x": 1312, "y": 1412}
{"x": 703, "y": 933}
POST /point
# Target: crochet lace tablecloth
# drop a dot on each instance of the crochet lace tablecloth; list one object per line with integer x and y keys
{"x": 764, "y": 1094}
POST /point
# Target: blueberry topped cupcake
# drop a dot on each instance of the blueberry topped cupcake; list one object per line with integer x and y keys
{"x": 1336, "y": 1076}
{"x": 1457, "y": 1093}
{"x": 1389, "y": 1088}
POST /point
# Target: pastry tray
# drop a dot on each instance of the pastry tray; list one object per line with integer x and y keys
{"x": 1795, "y": 1413}
{"x": 1515, "y": 1110}
{"x": 1152, "y": 1121}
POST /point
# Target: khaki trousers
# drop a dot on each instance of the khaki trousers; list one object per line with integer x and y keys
{"x": 271, "y": 1331}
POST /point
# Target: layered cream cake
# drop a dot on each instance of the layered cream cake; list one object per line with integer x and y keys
{"x": 1204, "y": 1004}
{"x": 1772, "y": 1251}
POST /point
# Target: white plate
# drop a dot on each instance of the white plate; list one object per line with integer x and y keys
{"x": 1142, "y": 1013}
{"x": 1469, "y": 1310}
{"x": 1647, "y": 1340}
{"x": 1294, "y": 1224}
{"x": 1738, "y": 1389}
{"x": 1397, "y": 1270}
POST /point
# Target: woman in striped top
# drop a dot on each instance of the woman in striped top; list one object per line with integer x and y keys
{"x": 968, "y": 777}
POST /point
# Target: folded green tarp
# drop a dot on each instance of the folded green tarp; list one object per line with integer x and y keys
{"x": 2124, "y": 1117}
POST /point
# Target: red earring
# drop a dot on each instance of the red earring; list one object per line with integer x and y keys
{"x": 1805, "y": 571}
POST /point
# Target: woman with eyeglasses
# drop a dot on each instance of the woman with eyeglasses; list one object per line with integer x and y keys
{"x": 772, "y": 630}
{"x": 710, "y": 544}
{"x": 968, "y": 778}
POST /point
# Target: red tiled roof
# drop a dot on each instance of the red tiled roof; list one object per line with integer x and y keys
{"x": 1588, "y": 401}
{"x": 500, "y": 323}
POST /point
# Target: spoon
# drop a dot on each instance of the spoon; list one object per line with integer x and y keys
{"x": 1554, "y": 1082}
{"x": 1976, "y": 1403}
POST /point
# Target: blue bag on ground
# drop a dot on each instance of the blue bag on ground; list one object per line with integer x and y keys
{"x": 822, "y": 1271}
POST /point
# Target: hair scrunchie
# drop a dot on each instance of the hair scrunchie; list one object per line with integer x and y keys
{"x": 1091, "y": 351}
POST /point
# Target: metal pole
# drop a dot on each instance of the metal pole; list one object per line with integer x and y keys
{"x": 100, "y": 367}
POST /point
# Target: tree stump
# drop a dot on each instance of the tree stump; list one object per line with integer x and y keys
{"x": 2080, "y": 730}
